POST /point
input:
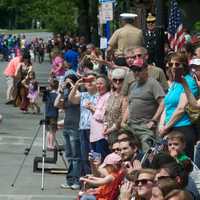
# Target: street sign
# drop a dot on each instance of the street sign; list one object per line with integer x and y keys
{"x": 106, "y": 1}
{"x": 106, "y": 12}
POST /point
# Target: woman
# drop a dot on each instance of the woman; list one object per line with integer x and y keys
{"x": 58, "y": 68}
{"x": 163, "y": 187}
{"x": 70, "y": 133}
{"x": 97, "y": 139}
{"x": 83, "y": 98}
{"x": 174, "y": 116}
{"x": 116, "y": 105}
{"x": 22, "y": 70}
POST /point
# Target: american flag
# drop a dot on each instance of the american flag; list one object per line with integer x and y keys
{"x": 176, "y": 35}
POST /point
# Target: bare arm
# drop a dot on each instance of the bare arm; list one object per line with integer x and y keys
{"x": 178, "y": 113}
{"x": 99, "y": 181}
{"x": 160, "y": 109}
{"x": 191, "y": 99}
{"x": 74, "y": 95}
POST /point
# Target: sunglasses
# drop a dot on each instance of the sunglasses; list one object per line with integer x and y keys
{"x": 118, "y": 80}
{"x": 151, "y": 22}
{"x": 115, "y": 149}
{"x": 137, "y": 69}
{"x": 163, "y": 177}
{"x": 177, "y": 64}
{"x": 143, "y": 181}
{"x": 137, "y": 56}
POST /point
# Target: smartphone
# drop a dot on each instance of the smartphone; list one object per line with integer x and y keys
{"x": 88, "y": 79}
{"x": 95, "y": 155}
{"x": 179, "y": 71}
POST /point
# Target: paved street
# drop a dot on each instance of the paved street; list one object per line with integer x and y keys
{"x": 16, "y": 133}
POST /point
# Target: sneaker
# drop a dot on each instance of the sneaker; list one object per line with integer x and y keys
{"x": 75, "y": 187}
{"x": 65, "y": 186}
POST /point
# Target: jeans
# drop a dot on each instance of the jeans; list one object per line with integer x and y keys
{"x": 88, "y": 197}
{"x": 85, "y": 149}
{"x": 72, "y": 153}
{"x": 101, "y": 146}
{"x": 197, "y": 155}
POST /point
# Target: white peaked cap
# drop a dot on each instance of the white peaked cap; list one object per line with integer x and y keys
{"x": 128, "y": 15}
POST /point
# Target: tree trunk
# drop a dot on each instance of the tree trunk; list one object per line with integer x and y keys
{"x": 83, "y": 19}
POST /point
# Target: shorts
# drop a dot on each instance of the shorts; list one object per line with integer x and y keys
{"x": 52, "y": 123}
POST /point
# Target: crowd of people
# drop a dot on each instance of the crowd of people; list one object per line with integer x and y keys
{"x": 128, "y": 127}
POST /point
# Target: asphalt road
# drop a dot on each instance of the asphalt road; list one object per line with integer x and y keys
{"x": 16, "y": 133}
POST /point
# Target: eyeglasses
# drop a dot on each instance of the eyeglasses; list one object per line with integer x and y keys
{"x": 118, "y": 80}
{"x": 177, "y": 64}
{"x": 143, "y": 181}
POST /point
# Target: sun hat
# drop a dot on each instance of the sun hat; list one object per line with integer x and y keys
{"x": 111, "y": 159}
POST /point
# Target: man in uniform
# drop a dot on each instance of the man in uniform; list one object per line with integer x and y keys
{"x": 125, "y": 37}
{"x": 154, "y": 41}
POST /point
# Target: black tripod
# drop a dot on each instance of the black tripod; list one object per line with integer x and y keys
{"x": 43, "y": 123}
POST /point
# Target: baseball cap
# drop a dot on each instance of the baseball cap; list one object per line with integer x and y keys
{"x": 195, "y": 61}
{"x": 111, "y": 159}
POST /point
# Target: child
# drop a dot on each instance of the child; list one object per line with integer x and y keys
{"x": 33, "y": 93}
{"x": 176, "y": 146}
{"x": 51, "y": 112}
{"x": 108, "y": 186}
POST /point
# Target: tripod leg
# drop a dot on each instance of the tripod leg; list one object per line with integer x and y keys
{"x": 26, "y": 152}
{"x": 60, "y": 153}
{"x": 43, "y": 152}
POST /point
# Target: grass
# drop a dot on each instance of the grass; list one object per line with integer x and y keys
{"x": 17, "y": 31}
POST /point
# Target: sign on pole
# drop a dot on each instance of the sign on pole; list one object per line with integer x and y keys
{"x": 106, "y": 12}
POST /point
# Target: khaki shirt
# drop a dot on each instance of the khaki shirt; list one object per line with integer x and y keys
{"x": 126, "y": 37}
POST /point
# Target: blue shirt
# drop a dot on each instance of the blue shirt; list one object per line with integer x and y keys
{"x": 50, "y": 109}
{"x": 172, "y": 98}
{"x": 85, "y": 115}
{"x": 72, "y": 58}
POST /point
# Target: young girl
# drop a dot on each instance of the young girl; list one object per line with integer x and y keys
{"x": 108, "y": 186}
{"x": 33, "y": 93}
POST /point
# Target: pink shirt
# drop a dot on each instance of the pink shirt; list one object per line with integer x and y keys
{"x": 12, "y": 66}
{"x": 97, "y": 126}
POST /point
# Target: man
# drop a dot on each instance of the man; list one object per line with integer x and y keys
{"x": 10, "y": 73}
{"x": 145, "y": 103}
{"x": 130, "y": 154}
{"x": 125, "y": 37}
{"x": 154, "y": 72}
{"x": 154, "y": 41}
{"x": 71, "y": 56}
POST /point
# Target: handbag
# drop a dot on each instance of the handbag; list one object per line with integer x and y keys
{"x": 193, "y": 113}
